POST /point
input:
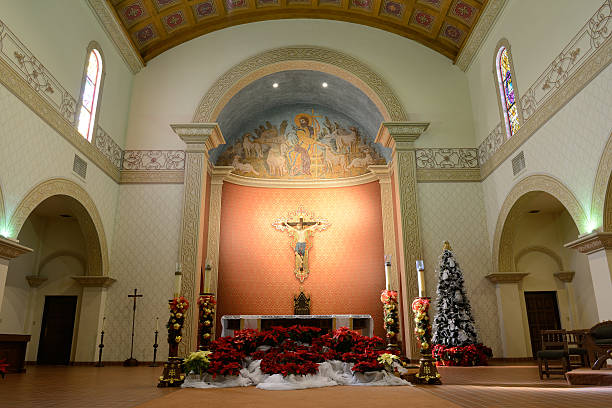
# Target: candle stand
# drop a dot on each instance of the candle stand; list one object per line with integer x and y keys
{"x": 390, "y": 318}
{"x": 100, "y": 346}
{"x": 173, "y": 375}
{"x": 428, "y": 373}
{"x": 155, "y": 345}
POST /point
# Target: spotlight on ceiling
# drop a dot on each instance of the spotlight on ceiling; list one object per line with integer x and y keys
{"x": 324, "y": 84}
{"x": 275, "y": 85}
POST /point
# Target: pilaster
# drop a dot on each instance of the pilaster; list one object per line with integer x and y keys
{"x": 400, "y": 137}
{"x": 9, "y": 249}
{"x": 508, "y": 291}
{"x": 567, "y": 277}
{"x": 199, "y": 139}
{"x": 597, "y": 246}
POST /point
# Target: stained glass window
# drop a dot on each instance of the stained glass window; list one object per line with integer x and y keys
{"x": 89, "y": 98}
{"x": 507, "y": 94}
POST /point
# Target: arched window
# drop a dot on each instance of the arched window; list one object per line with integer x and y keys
{"x": 507, "y": 91}
{"x": 90, "y": 93}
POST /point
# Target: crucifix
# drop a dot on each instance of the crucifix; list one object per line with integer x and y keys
{"x": 304, "y": 225}
{"x": 132, "y": 362}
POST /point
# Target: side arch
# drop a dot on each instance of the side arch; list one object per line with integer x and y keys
{"x": 601, "y": 203}
{"x": 297, "y": 58}
{"x": 503, "y": 260}
{"x": 84, "y": 210}
{"x": 544, "y": 250}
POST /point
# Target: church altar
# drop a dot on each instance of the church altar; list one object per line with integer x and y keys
{"x": 359, "y": 322}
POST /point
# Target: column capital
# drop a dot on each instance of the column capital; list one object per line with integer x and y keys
{"x": 10, "y": 249}
{"x": 199, "y": 137}
{"x": 219, "y": 173}
{"x": 506, "y": 277}
{"x": 593, "y": 242}
{"x": 35, "y": 280}
{"x": 382, "y": 172}
{"x": 94, "y": 281}
{"x": 566, "y": 276}
{"x": 400, "y": 135}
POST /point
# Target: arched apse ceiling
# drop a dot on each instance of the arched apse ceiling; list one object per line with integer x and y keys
{"x": 155, "y": 26}
{"x": 267, "y": 112}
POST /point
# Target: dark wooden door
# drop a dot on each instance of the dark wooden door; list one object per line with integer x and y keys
{"x": 56, "y": 330}
{"x": 542, "y": 314}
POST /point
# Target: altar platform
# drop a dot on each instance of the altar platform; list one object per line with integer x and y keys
{"x": 360, "y": 323}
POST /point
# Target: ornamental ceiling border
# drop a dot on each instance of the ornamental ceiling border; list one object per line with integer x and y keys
{"x": 568, "y": 74}
{"x": 326, "y": 60}
{"x": 502, "y": 248}
{"x": 94, "y": 235}
{"x": 479, "y": 33}
{"x": 601, "y": 202}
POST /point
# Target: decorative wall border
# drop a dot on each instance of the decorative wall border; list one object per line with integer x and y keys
{"x": 85, "y": 212}
{"x": 153, "y": 160}
{"x": 447, "y": 175}
{"x": 117, "y": 34}
{"x": 351, "y": 69}
{"x": 503, "y": 260}
{"x": 152, "y": 177}
{"x": 601, "y": 202}
{"x": 567, "y": 75}
{"x": 105, "y": 143}
{"x": 479, "y": 33}
{"x": 446, "y": 158}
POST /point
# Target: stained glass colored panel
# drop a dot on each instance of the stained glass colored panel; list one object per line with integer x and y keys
{"x": 92, "y": 67}
{"x": 84, "y": 118}
{"x": 507, "y": 89}
{"x": 88, "y": 94}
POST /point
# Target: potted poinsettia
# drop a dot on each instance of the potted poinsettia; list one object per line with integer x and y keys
{"x": 3, "y": 367}
{"x": 197, "y": 362}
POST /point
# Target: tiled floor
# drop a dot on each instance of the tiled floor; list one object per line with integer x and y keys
{"x": 115, "y": 386}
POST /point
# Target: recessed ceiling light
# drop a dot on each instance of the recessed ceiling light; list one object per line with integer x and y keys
{"x": 324, "y": 84}
{"x": 275, "y": 85}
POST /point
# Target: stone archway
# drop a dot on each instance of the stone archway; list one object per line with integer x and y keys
{"x": 84, "y": 210}
{"x": 601, "y": 203}
{"x": 541, "y": 249}
{"x": 298, "y": 58}
{"x": 503, "y": 260}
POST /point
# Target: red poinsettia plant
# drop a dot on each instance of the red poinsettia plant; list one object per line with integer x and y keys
{"x": 470, "y": 355}
{"x": 3, "y": 367}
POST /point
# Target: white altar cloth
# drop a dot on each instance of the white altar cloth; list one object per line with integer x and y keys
{"x": 364, "y": 322}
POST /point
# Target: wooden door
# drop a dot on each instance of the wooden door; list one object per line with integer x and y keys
{"x": 542, "y": 314}
{"x": 56, "y": 330}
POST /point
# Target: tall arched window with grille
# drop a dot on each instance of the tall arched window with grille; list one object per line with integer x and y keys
{"x": 90, "y": 93}
{"x": 508, "y": 94}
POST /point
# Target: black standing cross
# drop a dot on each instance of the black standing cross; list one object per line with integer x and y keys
{"x": 132, "y": 362}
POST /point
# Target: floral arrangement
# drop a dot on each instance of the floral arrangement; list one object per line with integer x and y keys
{"x": 420, "y": 307}
{"x": 296, "y": 350}
{"x": 470, "y": 355}
{"x": 387, "y": 360}
{"x": 390, "y": 315}
{"x": 3, "y": 367}
{"x": 207, "y": 304}
{"x": 197, "y": 362}
{"x": 178, "y": 308}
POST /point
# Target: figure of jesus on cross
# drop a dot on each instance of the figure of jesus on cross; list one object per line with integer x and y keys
{"x": 301, "y": 231}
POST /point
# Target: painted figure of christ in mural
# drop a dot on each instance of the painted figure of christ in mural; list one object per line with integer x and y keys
{"x": 310, "y": 148}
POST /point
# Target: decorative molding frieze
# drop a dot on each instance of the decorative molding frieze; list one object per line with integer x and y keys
{"x": 593, "y": 242}
{"x": 587, "y": 54}
{"x": 491, "y": 144}
{"x": 26, "y": 77}
{"x": 566, "y": 277}
{"x": 506, "y": 277}
{"x": 153, "y": 160}
{"x": 479, "y": 33}
{"x": 10, "y": 249}
{"x": 215, "y": 97}
{"x": 400, "y": 135}
{"x": 446, "y": 158}
{"x": 199, "y": 137}
{"x": 316, "y": 183}
{"x": 36, "y": 280}
{"x": 109, "y": 148}
{"x": 103, "y": 11}
{"x": 447, "y": 175}
{"x": 94, "y": 281}
{"x": 152, "y": 177}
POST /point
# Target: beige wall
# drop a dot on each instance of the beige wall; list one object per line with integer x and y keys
{"x": 63, "y": 29}
{"x": 170, "y": 88}
{"x": 537, "y": 32}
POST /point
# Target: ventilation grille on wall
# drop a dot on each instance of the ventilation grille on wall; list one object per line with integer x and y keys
{"x": 79, "y": 166}
{"x": 518, "y": 163}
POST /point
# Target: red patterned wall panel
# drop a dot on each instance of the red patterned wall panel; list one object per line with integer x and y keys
{"x": 346, "y": 261}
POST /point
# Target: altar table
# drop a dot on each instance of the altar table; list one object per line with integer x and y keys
{"x": 360, "y": 323}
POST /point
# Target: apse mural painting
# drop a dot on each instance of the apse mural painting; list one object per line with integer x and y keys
{"x": 303, "y": 146}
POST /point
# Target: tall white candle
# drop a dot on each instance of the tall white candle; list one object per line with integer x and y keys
{"x": 421, "y": 277}
{"x": 207, "y": 272}
{"x": 387, "y": 273}
{"x": 177, "y": 284}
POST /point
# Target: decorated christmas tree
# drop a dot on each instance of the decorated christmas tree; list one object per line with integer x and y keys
{"x": 455, "y": 337}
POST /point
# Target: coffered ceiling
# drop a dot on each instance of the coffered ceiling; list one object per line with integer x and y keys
{"x": 154, "y": 26}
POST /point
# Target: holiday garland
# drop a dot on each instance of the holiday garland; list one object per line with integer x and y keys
{"x": 207, "y": 305}
{"x": 390, "y": 315}
{"x": 422, "y": 330}
{"x": 178, "y": 307}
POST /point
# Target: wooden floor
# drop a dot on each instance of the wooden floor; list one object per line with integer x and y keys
{"x": 115, "y": 386}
